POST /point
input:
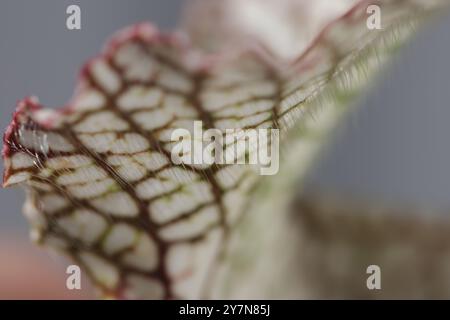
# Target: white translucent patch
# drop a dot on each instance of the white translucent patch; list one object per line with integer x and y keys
{"x": 130, "y": 143}
{"x": 178, "y": 261}
{"x": 82, "y": 175}
{"x": 153, "y": 187}
{"x": 120, "y": 237}
{"x": 201, "y": 189}
{"x": 57, "y": 143}
{"x": 120, "y": 160}
{"x": 178, "y": 106}
{"x": 105, "y": 76}
{"x": 138, "y": 65}
{"x": 128, "y": 54}
{"x": 68, "y": 162}
{"x": 101, "y": 270}
{"x": 46, "y": 114}
{"x": 44, "y": 141}
{"x": 117, "y": 204}
{"x": 143, "y": 70}
{"x": 200, "y": 261}
{"x": 150, "y": 120}
{"x": 22, "y": 160}
{"x": 127, "y": 167}
{"x": 165, "y": 135}
{"x": 192, "y": 226}
{"x": 17, "y": 178}
{"x": 83, "y": 225}
{"x": 92, "y": 189}
{"x": 174, "y": 81}
{"x": 34, "y": 139}
{"x": 51, "y": 203}
{"x": 171, "y": 207}
{"x": 179, "y": 175}
{"x": 139, "y": 287}
{"x": 144, "y": 255}
{"x": 101, "y": 121}
{"x": 132, "y": 172}
{"x": 99, "y": 142}
{"x": 151, "y": 160}
{"x": 138, "y": 97}
{"x": 193, "y": 195}
{"x": 89, "y": 99}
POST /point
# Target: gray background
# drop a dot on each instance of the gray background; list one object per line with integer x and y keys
{"x": 395, "y": 147}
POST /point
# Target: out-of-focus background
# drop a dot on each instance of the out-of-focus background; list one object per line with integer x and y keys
{"x": 394, "y": 148}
